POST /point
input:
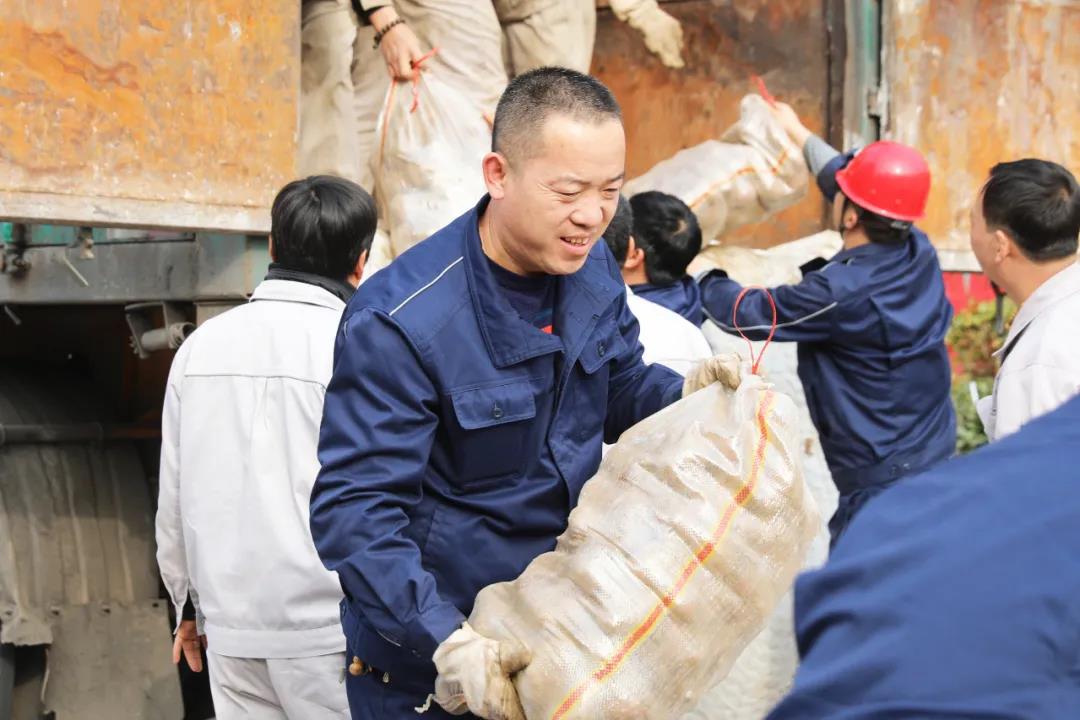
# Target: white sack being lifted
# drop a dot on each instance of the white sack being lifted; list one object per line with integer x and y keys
{"x": 679, "y": 548}
{"x": 752, "y": 171}
{"x": 764, "y": 672}
{"x": 427, "y": 161}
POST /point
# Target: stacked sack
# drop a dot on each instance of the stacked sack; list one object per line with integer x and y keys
{"x": 753, "y": 171}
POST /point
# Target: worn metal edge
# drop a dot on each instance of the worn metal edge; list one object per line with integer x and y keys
{"x": 56, "y": 209}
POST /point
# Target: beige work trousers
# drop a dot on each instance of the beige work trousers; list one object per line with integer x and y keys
{"x": 344, "y": 79}
{"x": 309, "y": 688}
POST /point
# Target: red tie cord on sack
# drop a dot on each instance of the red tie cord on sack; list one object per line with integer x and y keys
{"x": 762, "y": 90}
{"x": 755, "y": 362}
{"x": 416, "y": 76}
{"x": 416, "y": 65}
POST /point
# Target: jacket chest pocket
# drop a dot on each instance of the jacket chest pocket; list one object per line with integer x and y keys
{"x": 605, "y": 345}
{"x": 494, "y": 423}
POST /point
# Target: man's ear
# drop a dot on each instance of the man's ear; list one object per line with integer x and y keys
{"x": 1004, "y": 246}
{"x": 850, "y": 218}
{"x": 358, "y": 272}
{"x": 635, "y": 256}
{"x": 496, "y": 169}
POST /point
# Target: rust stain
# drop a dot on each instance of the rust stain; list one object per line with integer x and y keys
{"x": 191, "y": 101}
{"x": 977, "y": 82}
{"x": 42, "y": 50}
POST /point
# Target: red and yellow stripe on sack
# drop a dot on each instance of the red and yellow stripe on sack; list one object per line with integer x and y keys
{"x": 652, "y": 620}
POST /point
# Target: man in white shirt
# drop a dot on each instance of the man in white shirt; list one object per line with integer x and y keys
{"x": 240, "y": 430}
{"x": 1024, "y": 229}
{"x": 667, "y": 338}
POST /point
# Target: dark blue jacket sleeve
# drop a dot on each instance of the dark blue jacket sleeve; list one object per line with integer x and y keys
{"x": 804, "y": 312}
{"x": 953, "y": 594}
{"x": 379, "y": 423}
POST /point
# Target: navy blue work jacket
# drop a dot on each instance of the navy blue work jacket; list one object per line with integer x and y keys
{"x": 954, "y": 594}
{"x": 683, "y": 298}
{"x": 871, "y": 327}
{"x": 456, "y": 437}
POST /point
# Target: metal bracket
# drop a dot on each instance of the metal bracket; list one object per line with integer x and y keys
{"x": 13, "y": 256}
{"x": 877, "y": 102}
{"x": 146, "y": 337}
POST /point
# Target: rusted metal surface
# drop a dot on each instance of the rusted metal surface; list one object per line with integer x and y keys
{"x": 976, "y": 82}
{"x": 665, "y": 110}
{"x": 153, "y": 114}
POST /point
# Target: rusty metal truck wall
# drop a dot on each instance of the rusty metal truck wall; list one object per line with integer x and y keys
{"x": 974, "y": 83}
{"x": 179, "y": 114}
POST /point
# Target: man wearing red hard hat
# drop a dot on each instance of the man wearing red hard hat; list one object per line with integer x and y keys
{"x": 870, "y": 322}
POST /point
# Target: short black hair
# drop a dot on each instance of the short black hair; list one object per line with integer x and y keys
{"x": 878, "y": 228}
{"x": 1037, "y": 204}
{"x": 532, "y": 97}
{"x": 321, "y": 225}
{"x": 617, "y": 235}
{"x": 667, "y": 230}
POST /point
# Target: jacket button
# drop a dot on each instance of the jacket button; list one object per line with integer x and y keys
{"x": 356, "y": 667}
{"x": 496, "y": 411}
{"x": 600, "y": 349}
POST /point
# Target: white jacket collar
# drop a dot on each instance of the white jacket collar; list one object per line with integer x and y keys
{"x": 297, "y": 292}
{"x": 1050, "y": 293}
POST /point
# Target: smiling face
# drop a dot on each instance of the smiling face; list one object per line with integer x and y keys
{"x": 555, "y": 202}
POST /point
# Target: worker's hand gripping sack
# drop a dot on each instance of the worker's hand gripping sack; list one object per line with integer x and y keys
{"x": 427, "y": 164}
{"x": 753, "y": 171}
{"x": 680, "y": 546}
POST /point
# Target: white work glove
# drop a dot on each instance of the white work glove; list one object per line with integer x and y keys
{"x": 475, "y": 676}
{"x": 662, "y": 33}
{"x": 726, "y": 369}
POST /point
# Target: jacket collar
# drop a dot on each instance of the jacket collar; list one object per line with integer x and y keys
{"x": 871, "y": 249}
{"x": 297, "y": 292}
{"x": 579, "y": 300}
{"x": 338, "y": 288}
{"x": 1050, "y": 293}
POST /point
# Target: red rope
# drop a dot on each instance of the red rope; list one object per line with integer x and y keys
{"x": 762, "y": 90}
{"x": 393, "y": 91}
{"x": 416, "y": 77}
{"x": 755, "y": 362}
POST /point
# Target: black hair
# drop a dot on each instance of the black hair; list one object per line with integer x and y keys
{"x": 617, "y": 235}
{"x": 878, "y": 228}
{"x": 321, "y": 225}
{"x": 1037, "y": 204}
{"x": 667, "y": 230}
{"x": 532, "y": 97}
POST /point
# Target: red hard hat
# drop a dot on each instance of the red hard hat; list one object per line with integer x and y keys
{"x": 889, "y": 179}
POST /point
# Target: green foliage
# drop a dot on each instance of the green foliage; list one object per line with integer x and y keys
{"x": 973, "y": 341}
{"x": 969, "y": 429}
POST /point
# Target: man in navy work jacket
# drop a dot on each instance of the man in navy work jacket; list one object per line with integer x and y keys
{"x": 954, "y": 594}
{"x": 475, "y": 380}
{"x": 870, "y": 323}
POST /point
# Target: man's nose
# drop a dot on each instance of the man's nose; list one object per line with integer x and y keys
{"x": 588, "y": 214}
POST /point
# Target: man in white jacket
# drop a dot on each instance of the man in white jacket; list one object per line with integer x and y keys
{"x": 1024, "y": 229}
{"x": 240, "y": 428}
{"x": 667, "y": 338}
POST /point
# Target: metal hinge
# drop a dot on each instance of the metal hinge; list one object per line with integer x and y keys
{"x": 877, "y": 102}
